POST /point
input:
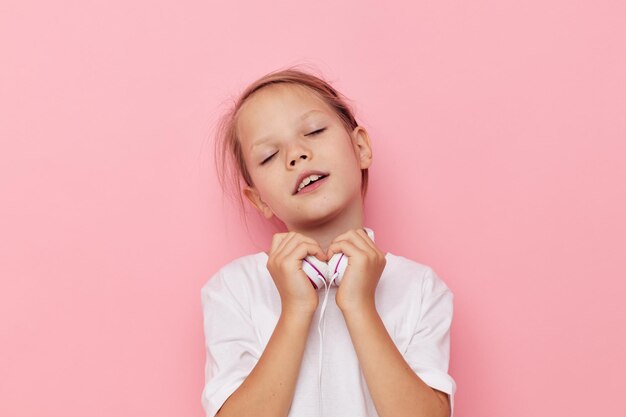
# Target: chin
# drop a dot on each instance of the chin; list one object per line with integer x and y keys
{"x": 322, "y": 215}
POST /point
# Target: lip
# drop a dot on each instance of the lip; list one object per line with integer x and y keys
{"x": 305, "y": 174}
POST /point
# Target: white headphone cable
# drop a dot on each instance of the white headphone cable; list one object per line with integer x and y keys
{"x": 321, "y": 328}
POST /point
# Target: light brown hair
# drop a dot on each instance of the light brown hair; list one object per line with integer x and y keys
{"x": 229, "y": 159}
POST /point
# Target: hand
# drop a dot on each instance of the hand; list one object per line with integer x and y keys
{"x": 285, "y": 266}
{"x": 365, "y": 266}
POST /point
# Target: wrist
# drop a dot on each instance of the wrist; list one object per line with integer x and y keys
{"x": 298, "y": 311}
{"x": 358, "y": 308}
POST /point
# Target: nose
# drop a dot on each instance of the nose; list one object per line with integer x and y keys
{"x": 292, "y": 162}
{"x": 298, "y": 151}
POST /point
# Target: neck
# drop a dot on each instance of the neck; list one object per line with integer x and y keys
{"x": 325, "y": 231}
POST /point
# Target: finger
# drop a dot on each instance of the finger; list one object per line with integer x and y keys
{"x": 319, "y": 253}
{"x": 306, "y": 238}
{"x": 356, "y": 239}
{"x": 314, "y": 248}
{"x": 367, "y": 239}
{"x": 352, "y": 233}
{"x": 285, "y": 241}
{"x": 295, "y": 235}
{"x": 277, "y": 239}
{"x": 303, "y": 249}
{"x": 359, "y": 239}
{"x": 330, "y": 251}
{"x": 345, "y": 246}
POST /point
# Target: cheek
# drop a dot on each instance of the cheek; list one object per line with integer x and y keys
{"x": 269, "y": 180}
{"x": 351, "y": 150}
{"x": 350, "y": 157}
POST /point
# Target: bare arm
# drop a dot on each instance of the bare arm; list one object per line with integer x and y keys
{"x": 396, "y": 390}
{"x": 269, "y": 388}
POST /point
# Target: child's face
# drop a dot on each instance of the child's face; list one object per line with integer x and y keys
{"x": 280, "y": 120}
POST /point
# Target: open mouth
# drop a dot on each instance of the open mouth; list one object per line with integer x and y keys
{"x": 312, "y": 185}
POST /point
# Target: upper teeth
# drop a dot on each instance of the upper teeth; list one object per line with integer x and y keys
{"x": 308, "y": 180}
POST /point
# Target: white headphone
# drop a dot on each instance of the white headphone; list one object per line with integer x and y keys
{"x": 323, "y": 274}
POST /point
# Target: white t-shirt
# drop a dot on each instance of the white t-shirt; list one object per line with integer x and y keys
{"x": 241, "y": 307}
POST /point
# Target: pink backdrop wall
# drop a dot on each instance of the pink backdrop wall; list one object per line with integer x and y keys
{"x": 499, "y": 134}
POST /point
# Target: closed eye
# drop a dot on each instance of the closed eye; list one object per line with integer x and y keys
{"x": 268, "y": 158}
{"x": 316, "y": 132}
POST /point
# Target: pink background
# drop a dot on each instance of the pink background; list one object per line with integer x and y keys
{"x": 499, "y": 134}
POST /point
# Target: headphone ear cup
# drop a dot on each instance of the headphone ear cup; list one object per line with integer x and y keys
{"x": 313, "y": 268}
{"x": 337, "y": 263}
{"x": 320, "y": 272}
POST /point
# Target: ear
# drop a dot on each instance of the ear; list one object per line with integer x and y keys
{"x": 252, "y": 194}
{"x": 362, "y": 146}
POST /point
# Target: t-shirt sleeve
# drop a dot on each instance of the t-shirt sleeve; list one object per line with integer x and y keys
{"x": 428, "y": 352}
{"x": 232, "y": 347}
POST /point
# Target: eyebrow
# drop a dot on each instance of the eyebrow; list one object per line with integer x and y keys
{"x": 302, "y": 117}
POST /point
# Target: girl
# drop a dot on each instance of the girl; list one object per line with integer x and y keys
{"x": 304, "y": 160}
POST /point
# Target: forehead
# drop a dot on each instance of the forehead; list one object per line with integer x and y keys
{"x": 274, "y": 105}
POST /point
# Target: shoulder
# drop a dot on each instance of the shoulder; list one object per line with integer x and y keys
{"x": 407, "y": 273}
{"x": 410, "y": 292}
{"x": 238, "y": 277}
